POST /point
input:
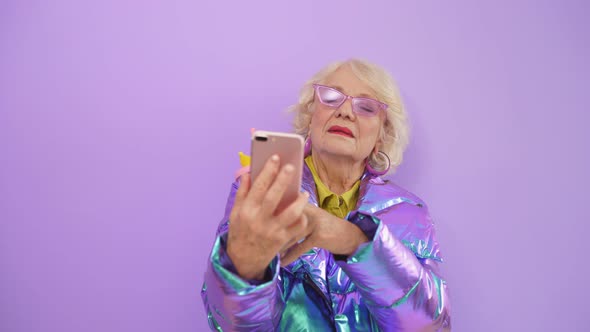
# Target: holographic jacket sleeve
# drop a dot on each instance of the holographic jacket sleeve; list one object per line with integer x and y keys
{"x": 235, "y": 304}
{"x": 397, "y": 271}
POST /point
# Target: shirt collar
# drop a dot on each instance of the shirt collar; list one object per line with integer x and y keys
{"x": 350, "y": 197}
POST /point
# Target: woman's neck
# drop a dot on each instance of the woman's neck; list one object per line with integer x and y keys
{"x": 338, "y": 174}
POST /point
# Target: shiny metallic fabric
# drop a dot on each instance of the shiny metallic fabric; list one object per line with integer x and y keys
{"x": 390, "y": 283}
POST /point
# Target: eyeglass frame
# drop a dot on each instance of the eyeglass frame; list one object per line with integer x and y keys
{"x": 383, "y": 106}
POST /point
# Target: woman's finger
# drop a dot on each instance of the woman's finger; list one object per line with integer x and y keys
{"x": 296, "y": 232}
{"x": 302, "y": 239}
{"x": 264, "y": 180}
{"x": 295, "y": 251}
{"x": 245, "y": 182}
{"x": 241, "y": 194}
{"x": 293, "y": 212}
{"x": 277, "y": 189}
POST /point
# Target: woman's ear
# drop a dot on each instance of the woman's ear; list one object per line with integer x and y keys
{"x": 378, "y": 145}
{"x": 375, "y": 149}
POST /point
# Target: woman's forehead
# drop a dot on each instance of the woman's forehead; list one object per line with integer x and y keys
{"x": 344, "y": 80}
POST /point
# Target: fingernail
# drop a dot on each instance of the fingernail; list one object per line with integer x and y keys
{"x": 289, "y": 168}
{"x": 274, "y": 158}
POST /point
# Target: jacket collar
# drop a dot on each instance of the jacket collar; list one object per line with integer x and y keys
{"x": 375, "y": 194}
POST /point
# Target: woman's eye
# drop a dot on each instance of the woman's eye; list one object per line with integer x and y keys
{"x": 367, "y": 107}
{"x": 331, "y": 97}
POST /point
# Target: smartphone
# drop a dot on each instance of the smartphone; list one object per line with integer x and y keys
{"x": 289, "y": 148}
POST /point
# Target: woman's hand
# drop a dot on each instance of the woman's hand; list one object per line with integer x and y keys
{"x": 256, "y": 234}
{"x": 338, "y": 236}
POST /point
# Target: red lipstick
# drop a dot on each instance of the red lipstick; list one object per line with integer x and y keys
{"x": 340, "y": 131}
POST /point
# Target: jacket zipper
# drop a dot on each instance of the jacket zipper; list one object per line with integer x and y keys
{"x": 327, "y": 302}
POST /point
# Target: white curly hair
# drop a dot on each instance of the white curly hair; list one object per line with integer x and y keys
{"x": 395, "y": 132}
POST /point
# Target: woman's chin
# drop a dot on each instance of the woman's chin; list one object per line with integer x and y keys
{"x": 339, "y": 152}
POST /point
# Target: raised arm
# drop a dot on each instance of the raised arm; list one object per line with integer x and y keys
{"x": 241, "y": 292}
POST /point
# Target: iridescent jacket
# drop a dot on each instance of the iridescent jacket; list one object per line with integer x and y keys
{"x": 391, "y": 283}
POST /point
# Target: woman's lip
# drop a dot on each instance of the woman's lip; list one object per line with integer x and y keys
{"x": 340, "y": 131}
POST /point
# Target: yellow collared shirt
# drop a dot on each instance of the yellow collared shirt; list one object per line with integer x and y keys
{"x": 338, "y": 205}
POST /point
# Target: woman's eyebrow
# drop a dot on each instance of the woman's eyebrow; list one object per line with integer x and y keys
{"x": 339, "y": 88}
{"x": 366, "y": 96}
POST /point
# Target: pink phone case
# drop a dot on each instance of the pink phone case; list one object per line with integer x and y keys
{"x": 289, "y": 148}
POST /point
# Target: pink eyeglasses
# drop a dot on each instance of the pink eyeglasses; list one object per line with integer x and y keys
{"x": 360, "y": 105}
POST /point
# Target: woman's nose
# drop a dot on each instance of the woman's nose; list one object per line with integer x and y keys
{"x": 345, "y": 110}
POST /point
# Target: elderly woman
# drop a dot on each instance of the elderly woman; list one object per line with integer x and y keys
{"x": 369, "y": 258}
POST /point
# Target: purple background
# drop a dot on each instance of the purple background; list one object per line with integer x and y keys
{"x": 120, "y": 123}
